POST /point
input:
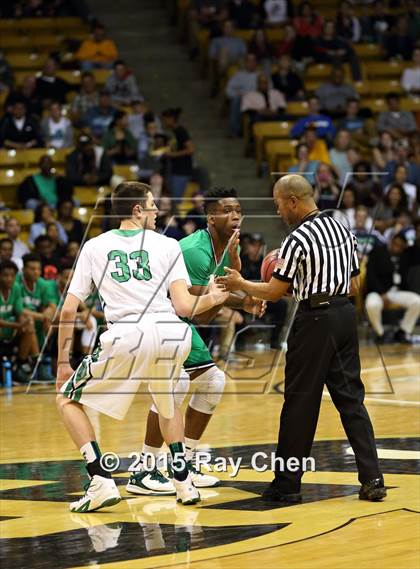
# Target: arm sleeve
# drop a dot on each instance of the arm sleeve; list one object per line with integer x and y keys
{"x": 196, "y": 266}
{"x": 355, "y": 269}
{"x": 288, "y": 260}
{"x": 177, "y": 269}
{"x": 82, "y": 282}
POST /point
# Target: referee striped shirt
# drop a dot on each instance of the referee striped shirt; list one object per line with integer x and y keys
{"x": 319, "y": 256}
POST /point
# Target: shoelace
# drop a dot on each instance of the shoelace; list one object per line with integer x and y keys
{"x": 157, "y": 475}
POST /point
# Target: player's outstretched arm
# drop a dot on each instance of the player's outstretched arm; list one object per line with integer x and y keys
{"x": 271, "y": 291}
{"x": 187, "y": 305}
{"x": 65, "y": 337}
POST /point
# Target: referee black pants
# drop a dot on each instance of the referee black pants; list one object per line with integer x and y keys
{"x": 323, "y": 348}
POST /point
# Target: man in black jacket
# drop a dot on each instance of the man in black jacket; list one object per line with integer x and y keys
{"x": 384, "y": 285}
{"x": 88, "y": 165}
{"x": 18, "y": 129}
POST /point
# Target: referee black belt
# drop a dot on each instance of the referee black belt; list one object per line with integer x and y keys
{"x": 322, "y": 300}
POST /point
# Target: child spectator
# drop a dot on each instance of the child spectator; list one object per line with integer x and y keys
{"x": 57, "y": 130}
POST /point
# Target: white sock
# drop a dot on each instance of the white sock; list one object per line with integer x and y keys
{"x": 145, "y": 456}
{"x": 190, "y": 446}
{"x": 90, "y": 452}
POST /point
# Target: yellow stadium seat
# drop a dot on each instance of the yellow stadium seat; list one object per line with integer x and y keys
{"x": 367, "y": 50}
{"x": 297, "y": 108}
{"x": 11, "y": 158}
{"x": 384, "y": 87}
{"x": 33, "y": 155}
{"x": 411, "y": 104}
{"x": 318, "y": 71}
{"x": 376, "y": 105}
{"x": 24, "y": 216}
{"x": 89, "y": 215}
{"x": 264, "y": 131}
{"x": 11, "y": 177}
{"x": 186, "y": 205}
{"x": 128, "y": 172}
{"x": 89, "y": 195}
{"x": 363, "y": 88}
{"x": 16, "y": 42}
{"x": 26, "y": 61}
{"x": 275, "y": 149}
{"x": 62, "y": 24}
{"x": 384, "y": 69}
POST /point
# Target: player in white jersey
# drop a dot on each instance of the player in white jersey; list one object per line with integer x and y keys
{"x": 134, "y": 270}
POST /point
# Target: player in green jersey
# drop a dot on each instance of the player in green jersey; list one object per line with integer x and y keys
{"x": 206, "y": 252}
{"x": 16, "y": 326}
{"x": 38, "y": 301}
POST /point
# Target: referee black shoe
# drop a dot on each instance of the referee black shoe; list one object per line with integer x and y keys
{"x": 373, "y": 490}
{"x": 274, "y": 494}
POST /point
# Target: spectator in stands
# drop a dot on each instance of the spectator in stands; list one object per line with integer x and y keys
{"x": 205, "y": 14}
{"x": 368, "y": 190}
{"x": 410, "y": 263}
{"x": 152, "y": 154}
{"x": 375, "y": 26}
{"x": 196, "y": 214}
{"x": 397, "y": 122}
{"x": 98, "y": 52}
{"x": 49, "y": 87}
{"x": 304, "y": 165}
{"x": 353, "y": 120}
{"x": 13, "y": 230}
{"x": 287, "y": 81}
{"x": 26, "y": 93}
{"x": 122, "y": 84}
{"x": 18, "y": 129}
{"x": 180, "y": 155}
{"x": 243, "y": 13}
{"x": 367, "y": 237}
{"x": 277, "y": 12}
{"x": 410, "y": 79}
{"x": 45, "y": 187}
{"x": 329, "y": 48}
{"x": 308, "y": 26}
{"x": 346, "y": 209}
{"x": 242, "y": 82}
{"x": 136, "y": 118}
{"x": 72, "y": 251}
{"x": 73, "y": 227}
{"x": 262, "y": 48}
{"x": 6, "y": 75}
{"x": 322, "y": 123}
{"x": 264, "y": 103}
{"x": 57, "y": 130}
{"x": 167, "y": 222}
{"x": 412, "y": 11}
{"x": 99, "y": 118}
{"x": 333, "y": 96}
{"x": 400, "y": 177}
{"x": 86, "y": 99}
{"x": 394, "y": 203}
{"x": 318, "y": 150}
{"x": 347, "y": 25}
{"x": 88, "y": 165}
{"x": 287, "y": 43}
{"x": 43, "y": 216}
{"x": 224, "y": 51}
{"x": 118, "y": 142}
{"x": 403, "y": 226}
{"x": 398, "y": 43}
{"x": 383, "y": 281}
{"x": 49, "y": 250}
{"x": 384, "y": 152}
{"x": 343, "y": 156}
{"x": 6, "y": 252}
{"x": 326, "y": 190}
{"x": 405, "y": 158}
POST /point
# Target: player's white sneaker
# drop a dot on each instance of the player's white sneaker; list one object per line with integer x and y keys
{"x": 99, "y": 493}
{"x": 152, "y": 482}
{"x": 201, "y": 480}
{"x": 186, "y": 492}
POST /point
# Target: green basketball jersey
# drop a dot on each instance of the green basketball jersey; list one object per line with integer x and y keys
{"x": 197, "y": 250}
{"x": 10, "y": 308}
{"x": 39, "y": 297}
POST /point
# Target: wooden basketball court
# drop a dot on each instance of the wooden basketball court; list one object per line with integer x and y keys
{"x": 231, "y": 527}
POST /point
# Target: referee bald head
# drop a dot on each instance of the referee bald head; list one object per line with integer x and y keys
{"x": 294, "y": 198}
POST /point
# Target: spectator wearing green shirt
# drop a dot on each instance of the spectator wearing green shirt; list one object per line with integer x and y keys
{"x": 118, "y": 142}
{"x": 16, "y": 326}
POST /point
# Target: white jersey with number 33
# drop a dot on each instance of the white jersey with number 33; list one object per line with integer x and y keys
{"x": 132, "y": 270}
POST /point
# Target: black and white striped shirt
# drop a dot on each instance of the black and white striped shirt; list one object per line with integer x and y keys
{"x": 319, "y": 256}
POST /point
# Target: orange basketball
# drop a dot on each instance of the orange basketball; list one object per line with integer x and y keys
{"x": 268, "y": 264}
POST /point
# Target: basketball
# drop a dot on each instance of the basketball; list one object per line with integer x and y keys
{"x": 268, "y": 264}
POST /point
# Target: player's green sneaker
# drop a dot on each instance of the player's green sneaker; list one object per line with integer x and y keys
{"x": 100, "y": 493}
{"x": 186, "y": 492}
{"x": 152, "y": 482}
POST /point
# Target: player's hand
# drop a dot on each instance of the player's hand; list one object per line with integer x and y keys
{"x": 64, "y": 372}
{"x": 218, "y": 291}
{"x": 232, "y": 281}
{"x": 254, "y": 306}
{"x": 233, "y": 244}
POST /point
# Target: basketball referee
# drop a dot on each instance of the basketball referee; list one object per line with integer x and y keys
{"x": 318, "y": 260}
